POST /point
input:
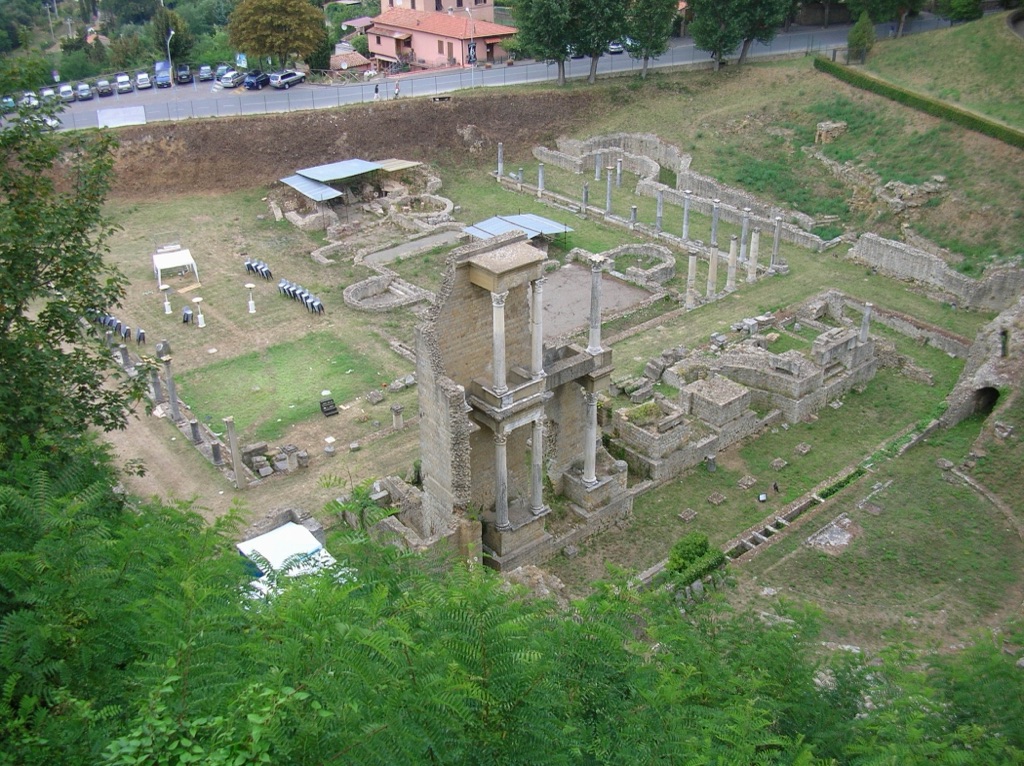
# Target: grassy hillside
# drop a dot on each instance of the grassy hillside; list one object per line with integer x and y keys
{"x": 978, "y": 66}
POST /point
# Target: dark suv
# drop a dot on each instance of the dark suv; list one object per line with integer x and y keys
{"x": 183, "y": 74}
{"x": 256, "y": 79}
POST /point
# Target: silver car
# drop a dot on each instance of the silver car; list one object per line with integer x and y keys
{"x": 232, "y": 78}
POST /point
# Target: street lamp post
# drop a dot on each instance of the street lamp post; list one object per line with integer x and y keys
{"x": 472, "y": 46}
{"x": 170, "y": 67}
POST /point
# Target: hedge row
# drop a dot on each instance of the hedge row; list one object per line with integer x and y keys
{"x": 703, "y": 566}
{"x": 844, "y": 482}
{"x": 931, "y": 106}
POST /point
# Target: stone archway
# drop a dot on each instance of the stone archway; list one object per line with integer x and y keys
{"x": 985, "y": 400}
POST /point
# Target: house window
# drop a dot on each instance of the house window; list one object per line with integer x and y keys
{"x": 414, "y": 5}
{"x": 440, "y": 47}
{"x": 451, "y": 52}
{"x": 438, "y": 6}
{"x": 378, "y": 39}
{"x": 458, "y": 3}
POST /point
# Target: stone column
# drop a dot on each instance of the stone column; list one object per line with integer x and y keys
{"x": 537, "y": 468}
{"x": 775, "y": 243}
{"x": 590, "y": 441}
{"x": 597, "y": 166}
{"x": 618, "y": 172}
{"x": 608, "y": 192}
{"x": 540, "y": 179}
{"x": 865, "y": 322}
{"x": 498, "y": 341}
{"x": 108, "y": 338}
{"x": 197, "y": 437}
{"x": 236, "y": 454}
{"x": 218, "y": 459}
{"x": 713, "y": 271}
{"x": 397, "y": 421}
{"x": 520, "y": 175}
{"x": 172, "y": 393}
{"x": 743, "y": 234}
{"x": 594, "y": 344}
{"x": 686, "y": 214}
{"x": 659, "y": 211}
{"x": 632, "y": 216}
{"x": 537, "y": 329}
{"x": 755, "y": 246}
{"x": 501, "y": 159}
{"x": 154, "y": 382}
{"x": 714, "y": 220}
{"x": 730, "y": 277}
{"x": 501, "y": 482}
{"x": 586, "y": 199}
{"x": 691, "y": 282}
{"x": 122, "y": 349}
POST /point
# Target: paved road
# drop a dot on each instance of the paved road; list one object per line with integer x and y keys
{"x": 207, "y": 100}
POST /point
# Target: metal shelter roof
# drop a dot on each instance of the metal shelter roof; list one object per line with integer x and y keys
{"x": 393, "y": 165}
{"x": 533, "y": 225}
{"x": 315, "y": 190}
{"x": 339, "y": 171}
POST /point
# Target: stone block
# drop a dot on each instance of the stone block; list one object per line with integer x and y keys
{"x": 265, "y": 471}
{"x": 716, "y": 498}
{"x": 395, "y": 386}
{"x": 747, "y": 482}
{"x": 688, "y": 515}
{"x": 778, "y": 464}
{"x": 375, "y": 397}
{"x": 802, "y": 448}
{"x": 354, "y": 447}
{"x": 303, "y": 458}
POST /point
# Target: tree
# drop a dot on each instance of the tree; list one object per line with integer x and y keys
{"x": 130, "y": 11}
{"x": 181, "y": 43}
{"x": 544, "y": 30}
{"x": 319, "y": 59}
{"x": 717, "y": 27}
{"x": 886, "y": 10}
{"x": 594, "y": 24}
{"x": 861, "y": 39}
{"x": 278, "y": 28}
{"x": 761, "y": 21}
{"x": 961, "y": 10}
{"x": 59, "y": 378}
{"x": 648, "y": 29}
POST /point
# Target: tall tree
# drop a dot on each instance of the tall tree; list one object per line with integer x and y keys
{"x": 648, "y": 28}
{"x": 544, "y": 30}
{"x": 594, "y": 24}
{"x": 181, "y": 44}
{"x": 961, "y": 10}
{"x": 130, "y": 11}
{"x": 861, "y": 38}
{"x": 58, "y": 376}
{"x": 278, "y": 28}
{"x": 717, "y": 26}
{"x": 886, "y": 10}
{"x": 761, "y": 21}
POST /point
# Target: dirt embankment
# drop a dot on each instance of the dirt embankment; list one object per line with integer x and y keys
{"x": 210, "y": 155}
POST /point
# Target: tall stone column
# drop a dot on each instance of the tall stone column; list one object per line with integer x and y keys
{"x": 608, "y": 192}
{"x": 744, "y": 226}
{"x": 498, "y": 341}
{"x": 501, "y": 159}
{"x": 537, "y": 468}
{"x": 775, "y": 242}
{"x": 632, "y": 216}
{"x": 540, "y": 179}
{"x": 713, "y": 271}
{"x": 501, "y": 482}
{"x": 172, "y": 392}
{"x": 590, "y": 441}
{"x": 691, "y": 282}
{"x": 865, "y": 322}
{"x": 686, "y": 214}
{"x": 597, "y": 166}
{"x": 594, "y": 342}
{"x": 586, "y": 199}
{"x": 397, "y": 418}
{"x": 154, "y": 382}
{"x": 537, "y": 329}
{"x": 618, "y": 172}
{"x": 236, "y": 454}
{"x": 755, "y": 246}
{"x": 714, "y": 220}
{"x": 659, "y": 211}
{"x": 730, "y": 277}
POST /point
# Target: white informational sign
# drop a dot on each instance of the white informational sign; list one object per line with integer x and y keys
{"x": 241, "y": 62}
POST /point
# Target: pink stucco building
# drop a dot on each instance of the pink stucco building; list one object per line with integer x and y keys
{"x": 426, "y": 39}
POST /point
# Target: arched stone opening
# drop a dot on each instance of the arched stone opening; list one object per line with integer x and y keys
{"x": 985, "y": 400}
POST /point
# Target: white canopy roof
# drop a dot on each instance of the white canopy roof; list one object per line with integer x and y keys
{"x": 167, "y": 259}
{"x": 280, "y": 544}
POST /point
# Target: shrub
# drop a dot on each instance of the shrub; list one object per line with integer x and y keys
{"x": 861, "y": 38}
{"x": 687, "y": 551}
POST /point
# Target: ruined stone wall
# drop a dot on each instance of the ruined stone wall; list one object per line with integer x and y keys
{"x": 997, "y": 290}
{"x": 912, "y": 328}
{"x": 482, "y": 467}
{"x": 653, "y": 444}
{"x": 566, "y": 413}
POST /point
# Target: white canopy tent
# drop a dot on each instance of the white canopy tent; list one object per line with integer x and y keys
{"x": 176, "y": 259}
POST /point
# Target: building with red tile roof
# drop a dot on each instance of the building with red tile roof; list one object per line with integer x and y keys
{"x": 426, "y": 39}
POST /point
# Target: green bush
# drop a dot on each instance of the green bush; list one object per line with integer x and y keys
{"x": 922, "y": 103}
{"x": 687, "y": 551}
{"x": 861, "y": 38}
{"x": 703, "y": 566}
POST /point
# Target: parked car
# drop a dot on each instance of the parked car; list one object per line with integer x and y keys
{"x": 222, "y": 69}
{"x": 206, "y": 73}
{"x": 232, "y": 79}
{"x": 163, "y": 78}
{"x": 104, "y": 88}
{"x": 143, "y": 81}
{"x": 66, "y": 93}
{"x": 286, "y": 79}
{"x": 183, "y": 74}
{"x": 256, "y": 79}
{"x": 29, "y": 99}
{"x": 48, "y": 94}
{"x": 616, "y": 47}
{"x": 83, "y": 91}
{"x": 124, "y": 83}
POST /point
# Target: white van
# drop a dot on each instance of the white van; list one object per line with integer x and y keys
{"x": 124, "y": 83}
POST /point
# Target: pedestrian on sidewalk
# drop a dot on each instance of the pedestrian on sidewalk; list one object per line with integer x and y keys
{"x": 396, "y": 90}
{"x": 376, "y": 91}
